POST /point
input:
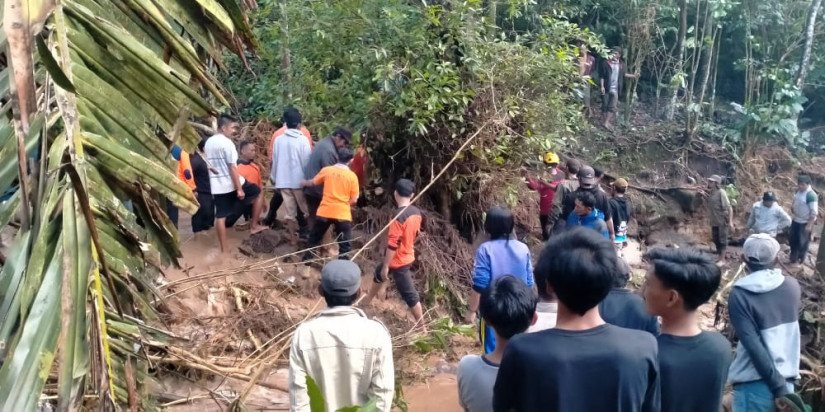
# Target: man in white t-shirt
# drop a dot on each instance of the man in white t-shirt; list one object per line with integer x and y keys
{"x": 230, "y": 191}
{"x": 290, "y": 155}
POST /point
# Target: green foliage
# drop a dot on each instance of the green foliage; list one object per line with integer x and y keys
{"x": 417, "y": 80}
{"x": 438, "y": 337}
{"x": 317, "y": 402}
{"x": 775, "y": 120}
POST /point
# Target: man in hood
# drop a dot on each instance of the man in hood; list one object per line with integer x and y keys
{"x": 764, "y": 312}
{"x": 767, "y": 216}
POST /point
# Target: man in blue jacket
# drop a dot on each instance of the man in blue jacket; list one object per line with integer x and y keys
{"x": 586, "y": 214}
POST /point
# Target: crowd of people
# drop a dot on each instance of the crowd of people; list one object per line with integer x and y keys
{"x": 563, "y": 334}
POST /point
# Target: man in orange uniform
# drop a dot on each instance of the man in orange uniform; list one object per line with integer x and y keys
{"x": 340, "y": 193}
{"x": 277, "y": 199}
{"x": 251, "y": 172}
{"x": 185, "y": 175}
{"x": 400, "y": 253}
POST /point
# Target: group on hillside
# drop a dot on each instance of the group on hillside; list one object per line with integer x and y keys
{"x": 552, "y": 333}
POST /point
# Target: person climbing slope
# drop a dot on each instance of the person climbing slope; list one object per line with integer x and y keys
{"x": 400, "y": 253}
{"x": 546, "y": 186}
{"x": 501, "y": 255}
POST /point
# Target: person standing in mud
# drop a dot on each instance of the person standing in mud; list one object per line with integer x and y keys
{"x": 611, "y": 81}
{"x": 229, "y": 190}
{"x": 289, "y": 157}
{"x": 804, "y": 213}
{"x": 502, "y": 255}
{"x": 720, "y": 214}
{"x": 340, "y": 194}
{"x": 400, "y": 253}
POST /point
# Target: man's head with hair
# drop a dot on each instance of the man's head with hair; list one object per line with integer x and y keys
{"x": 616, "y": 52}
{"x": 508, "y": 306}
{"x": 227, "y": 125}
{"x": 499, "y": 223}
{"x": 404, "y": 188}
{"x": 572, "y": 167}
{"x": 803, "y": 182}
{"x": 578, "y": 267}
{"x": 345, "y": 154}
{"x": 292, "y": 118}
{"x": 768, "y": 199}
{"x": 598, "y": 172}
{"x": 679, "y": 280}
{"x": 248, "y": 150}
{"x": 341, "y": 136}
{"x": 585, "y": 202}
{"x": 622, "y": 275}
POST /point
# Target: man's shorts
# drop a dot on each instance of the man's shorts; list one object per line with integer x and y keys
{"x": 293, "y": 200}
{"x": 403, "y": 282}
{"x": 611, "y": 102}
{"x": 228, "y": 203}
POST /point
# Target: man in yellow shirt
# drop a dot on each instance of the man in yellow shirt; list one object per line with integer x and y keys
{"x": 340, "y": 193}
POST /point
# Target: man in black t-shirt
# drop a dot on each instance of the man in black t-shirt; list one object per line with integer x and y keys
{"x": 583, "y": 364}
{"x": 624, "y": 308}
{"x": 588, "y": 183}
{"x": 693, "y": 363}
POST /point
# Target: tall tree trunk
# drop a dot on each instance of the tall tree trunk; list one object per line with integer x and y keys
{"x": 805, "y": 64}
{"x": 286, "y": 62}
{"x": 712, "y": 106}
{"x": 680, "y": 57}
{"x": 492, "y": 16}
{"x": 707, "y": 62}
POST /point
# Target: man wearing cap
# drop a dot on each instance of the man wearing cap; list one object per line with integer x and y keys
{"x": 347, "y": 354}
{"x": 767, "y": 216}
{"x": 720, "y": 215}
{"x": 622, "y": 211}
{"x": 804, "y": 212}
{"x": 568, "y": 185}
{"x": 324, "y": 154}
{"x": 764, "y": 311}
{"x": 588, "y": 183}
{"x": 400, "y": 253}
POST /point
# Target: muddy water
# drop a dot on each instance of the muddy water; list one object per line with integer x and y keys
{"x": 438, "y": 394}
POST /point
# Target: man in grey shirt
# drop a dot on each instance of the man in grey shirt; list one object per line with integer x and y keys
{"x": 324, "y": 154}
{"x": 764, "y": 312}
{"x": 509, "y": 306}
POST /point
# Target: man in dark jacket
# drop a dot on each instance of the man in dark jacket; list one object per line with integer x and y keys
{"x": 588, "y": 183}
{"x": 622, "y": 211}
{"x": 611, "y": 81}
{"x": 324, "y": 154}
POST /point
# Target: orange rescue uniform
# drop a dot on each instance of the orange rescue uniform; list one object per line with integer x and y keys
{"x": 402, "y": 234}
{"x": 340, "y": 185}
